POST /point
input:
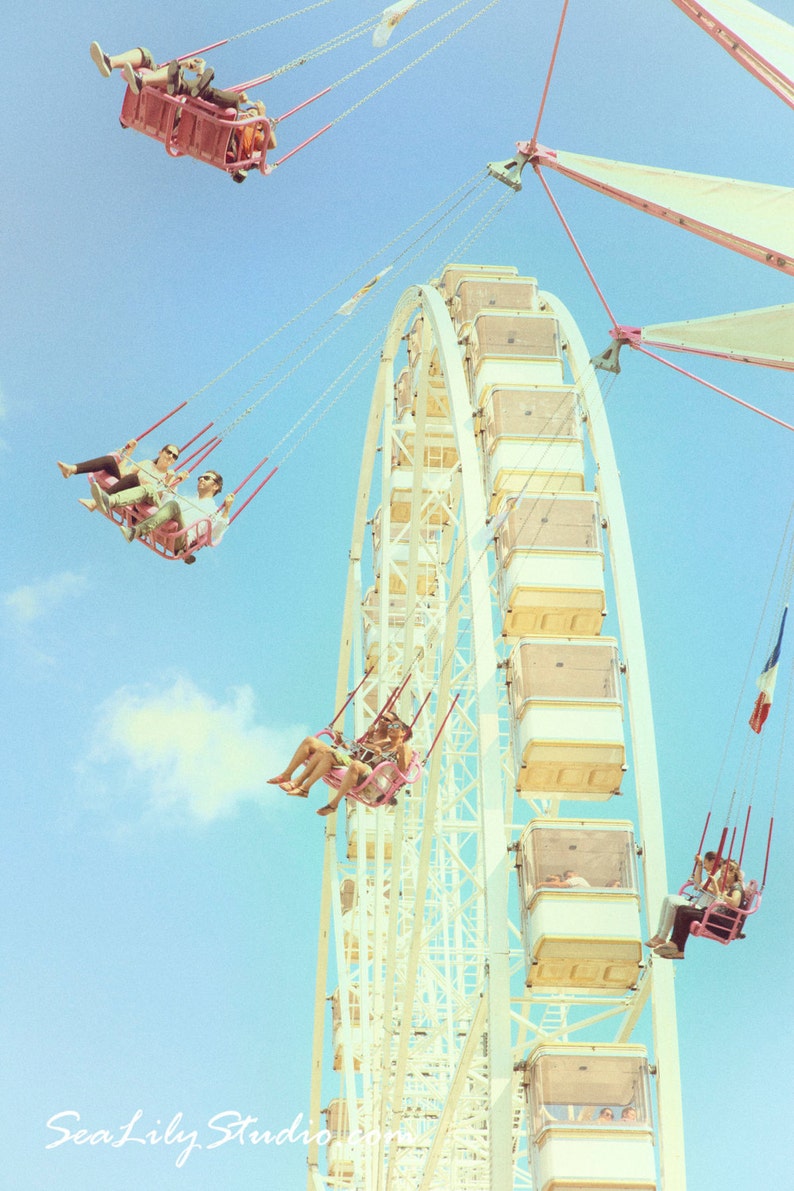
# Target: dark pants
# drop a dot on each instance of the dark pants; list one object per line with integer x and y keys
{"x": 684, "y": 917}
{"x": 222, "y": 99}
{"x": 109, "y": 463}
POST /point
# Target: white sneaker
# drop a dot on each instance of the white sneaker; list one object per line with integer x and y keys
{"x": 131, "y": 78}
{"x": 101, "y": 498}
{"x": 100, "y": 59}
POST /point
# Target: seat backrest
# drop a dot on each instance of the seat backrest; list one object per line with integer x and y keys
{"x": 152, "y": 112}
{"x": 204, "y": 132}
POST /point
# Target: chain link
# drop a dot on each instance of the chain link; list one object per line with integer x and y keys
{"x": 409, "y": 66}
{"x": 280, "y": 20}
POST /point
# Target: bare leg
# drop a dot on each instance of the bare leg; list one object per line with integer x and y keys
{"x": 135, "y": 58}
{"x": 153, "y": 78}
{"x": 355, "y": 773}
{"x": 302, "y": 753}
{"x": 316, "y": 767}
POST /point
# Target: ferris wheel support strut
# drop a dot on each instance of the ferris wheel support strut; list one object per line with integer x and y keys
{"x": 671, "y": 1129}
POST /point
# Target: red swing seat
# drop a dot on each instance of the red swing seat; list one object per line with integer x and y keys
{"x": 164, "y": 540}
{"x": 154, "y": 113}
{"x": 190, "y": 127}
{"x": 214, "y": 135}
{"x": 724, "y": 923}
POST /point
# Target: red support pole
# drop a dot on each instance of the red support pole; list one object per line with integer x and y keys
{"x": 744, "y": 837}
{"x": 198, "y": 53}
{"x": 768, "y": 846}
{"x": 201, "y": 458}
{"x": 550, "y": 72}
{"x": 421, "y": 709}
{"x": 718, "y": 859}
{"x": 441, "y": 729}
{"x": 392, "y": 699}
{"x": 703, "y": 836}
{"x": 399, "y": 690}
{"x": 305, "y": 103}
{"x": 253, "y": 494}
{"x": 724, "y": 880}
{"x": 214, "y": 441}
{"x": 302, "y": 145}
{"x": 165, "y": 419}
{"x": 350, "y": 698}
{"x": 190, "y": 441}
{"x": 238, "y": 87}
{"x": 251, "y": 473}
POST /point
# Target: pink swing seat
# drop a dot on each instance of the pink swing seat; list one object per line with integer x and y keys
{"x": 164, "y": 540}
{"x": 724, "y": 923}
{"x": 190, "y": 127}
{"x": 380, "y": 787}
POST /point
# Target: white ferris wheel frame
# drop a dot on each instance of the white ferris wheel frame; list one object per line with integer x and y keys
{"x": 495, "y": 1008}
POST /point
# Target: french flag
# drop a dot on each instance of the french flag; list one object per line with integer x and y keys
{"x": 766, "y": 682}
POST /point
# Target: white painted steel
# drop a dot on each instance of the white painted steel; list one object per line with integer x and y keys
{"x": 445, "y": 1017}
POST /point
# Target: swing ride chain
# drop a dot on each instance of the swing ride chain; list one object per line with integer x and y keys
{"x": 279, "y": 20}
{"x": 300, "y": 347}
{"x": 369, "y": 349}
{"x": 404, "y": 70}
{"x": 338, "y": 285}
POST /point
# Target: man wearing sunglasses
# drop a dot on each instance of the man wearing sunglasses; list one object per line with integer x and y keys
{"x": 184, "y": 510}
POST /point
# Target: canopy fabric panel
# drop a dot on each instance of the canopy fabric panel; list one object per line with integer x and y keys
{"x": 760, "y": 42}
{"x": 752, "y": 218}
{"x": 764, "y": 336}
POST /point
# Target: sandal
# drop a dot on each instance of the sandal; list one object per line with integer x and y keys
{"x": 327, "y": 809}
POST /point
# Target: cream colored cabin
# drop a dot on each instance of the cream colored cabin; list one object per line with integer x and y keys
{"x": 439, "y": 452}
{"x": 363, "y": 826}
{"x": 433, "y": 507}
{"x": 339, "y": 1152}
{"x": 568, "y": 717}
{"x": 352, "y": 917}
{"x": 404, "y": 396}
{"x": 589, "y": 1118}
{"x": 338, "y": 1030}
{"x": 454, "y": 274}
{"x": 580, "y": 904}
{"x": 551, "y": 573}
{"x": 475, "y": 295}
{"x": 532, "y": 441}
{"x": 514, "y": 349}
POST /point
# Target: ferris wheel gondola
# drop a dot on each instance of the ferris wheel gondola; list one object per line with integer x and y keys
{"x": 478, "y": 436}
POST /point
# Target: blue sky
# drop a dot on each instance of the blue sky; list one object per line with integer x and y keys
{"x": 162, "y": 902}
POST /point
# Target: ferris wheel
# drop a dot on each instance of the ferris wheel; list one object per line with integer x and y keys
{"x": 484, "y": 1017}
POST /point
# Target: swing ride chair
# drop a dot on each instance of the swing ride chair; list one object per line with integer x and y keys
{"x": 724, "y": 923}
{"x": 165, "y": 540}
{"x": 191, "y": 127}
{"x": 380, "y": 787}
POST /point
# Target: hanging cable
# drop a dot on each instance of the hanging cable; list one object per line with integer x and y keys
{"x": 287, "y": 16}
{"x": 476, "y": 178}
{"x": 416, "y": 61}
{"x": 339, "y": 325}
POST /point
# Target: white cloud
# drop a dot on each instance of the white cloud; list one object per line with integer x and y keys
{"x": 35, "y": 600}
{"x": 196, "y": 754}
